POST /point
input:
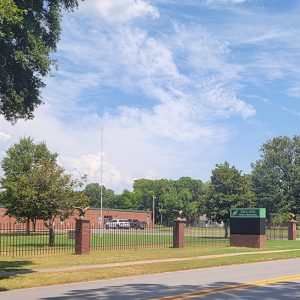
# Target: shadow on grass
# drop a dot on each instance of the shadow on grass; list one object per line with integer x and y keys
{"x": 12, "y": 268}
{"x": 286, "y": 290}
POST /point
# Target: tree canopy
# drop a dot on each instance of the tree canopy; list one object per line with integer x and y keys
{"x": 18, "y": 161}
{"x": 93, "y": 192}
{"x": 228, "y": 189}
{"x": 170, "y": 195}
{"x": 47, "y": 192}
{"x": 29, "y": 32}
{"x": 276, "y": 176}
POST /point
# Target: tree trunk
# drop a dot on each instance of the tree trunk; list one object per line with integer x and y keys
{"x": 34, "y": 225}
{"x": 51, "y": 234}
{"x": 226, "y": 226}
{"x": 27, "y": 227}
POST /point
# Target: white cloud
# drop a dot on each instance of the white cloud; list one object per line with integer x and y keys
{"x": 226, "y": 1}
{"x": 4, "y": 137}
{"x": 179, "y": 124}
{"x": 131, "y": 60}
{"x": 90, "y": 165}
{"x": 119, "y": 10}
{"x": 294, "y": 91}
{"x": 291, "y": 111}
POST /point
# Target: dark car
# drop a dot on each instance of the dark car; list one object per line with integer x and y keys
{"x": 136, "y": 224}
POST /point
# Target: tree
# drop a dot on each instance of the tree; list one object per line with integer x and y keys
{"x": 127, "y": 199}
{"x": 146, "y": 189}
{"x": 19, "y": 160}
{"x": 93, "y": 191}
{"x": 9, "y": 13}
{"x": 190, "y": 197}
{"x": 227, "y": 190}
{"x": 170, "y": 195}
{"x": 276, "y": 176}
{"x": 48, "y": 192}
{"x": 29, "y": 32}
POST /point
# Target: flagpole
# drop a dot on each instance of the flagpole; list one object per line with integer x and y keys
{"x": 101, "y": 173}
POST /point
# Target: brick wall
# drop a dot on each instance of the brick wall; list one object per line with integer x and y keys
{"x": 247, "y": 240}
{"x": 93, "y": 215}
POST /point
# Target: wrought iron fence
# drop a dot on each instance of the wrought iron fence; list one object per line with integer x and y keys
{"x": 277, "y": 231}
{"x": 159, "y": 236}
{"x": 15, "y": 240}
{"x": 205, "y": 233}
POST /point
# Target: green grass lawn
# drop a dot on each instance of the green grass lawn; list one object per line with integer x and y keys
{"x": 108, "y": 256}
{"x": 67, "y": 260}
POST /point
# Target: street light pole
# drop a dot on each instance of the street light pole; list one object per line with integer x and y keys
{"x": 153, "y": 210}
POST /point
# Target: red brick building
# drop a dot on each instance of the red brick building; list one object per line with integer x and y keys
{"x": 94, "y": 215}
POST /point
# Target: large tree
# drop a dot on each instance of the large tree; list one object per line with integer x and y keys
{"x": 276, "y": 176}
{"x": 48, "y": 192}
{"x": 169, "y": 195}
{"x": 29, "y": 32}
{"x": 190, "y": 197}
{"x": 228, "y": 189}
{"x": 93, "y": 191}
{"x": 18, "y": 161}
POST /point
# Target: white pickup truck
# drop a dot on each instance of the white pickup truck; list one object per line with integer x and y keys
{"x": 118, "y": 223}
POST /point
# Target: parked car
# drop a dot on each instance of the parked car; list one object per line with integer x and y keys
{"x": 136, "y": 224}
{"x": 118, "y": 223}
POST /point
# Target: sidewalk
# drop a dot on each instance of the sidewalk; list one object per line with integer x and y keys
{"x": 4, "y": 274}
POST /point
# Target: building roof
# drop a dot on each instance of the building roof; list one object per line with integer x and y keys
{"x": 120, "y": 209}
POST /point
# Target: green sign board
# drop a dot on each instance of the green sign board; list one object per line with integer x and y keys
{"x": 248, "y": 213}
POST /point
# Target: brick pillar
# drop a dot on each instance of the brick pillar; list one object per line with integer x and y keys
{"x": 292, "y": 230}
{"x": 82, "y": 236}
{"x": 178, "y": 233}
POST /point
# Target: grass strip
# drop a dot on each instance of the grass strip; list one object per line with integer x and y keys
{"x": 53, "y": 278}
{"x": 104, "y": 257}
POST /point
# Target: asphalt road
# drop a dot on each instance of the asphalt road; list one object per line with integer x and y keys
{"x": 269, "y": 280}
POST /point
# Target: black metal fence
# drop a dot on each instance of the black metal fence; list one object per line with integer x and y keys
{"x": 206, "y": 233}
{"x": 15, "y": 240}
{"x": 279, "y": 231}
{"x": 117, "y": 239}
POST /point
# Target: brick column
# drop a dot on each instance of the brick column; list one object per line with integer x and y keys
{"x": 247, "y": 240}
{"x": 292, "y": 230}
{"x": 82, "y": 236}
{"x": 178, "y": 233}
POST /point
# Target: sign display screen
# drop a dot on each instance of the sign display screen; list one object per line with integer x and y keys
{"x": 247, "y": 226}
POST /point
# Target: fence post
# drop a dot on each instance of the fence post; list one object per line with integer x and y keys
{"x": 292, "y": 230}
{"x": 178, "y": 233}
{"x": 82, "y": 236}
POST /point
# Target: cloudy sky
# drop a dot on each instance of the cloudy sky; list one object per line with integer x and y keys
{"x": 181, "y": 86}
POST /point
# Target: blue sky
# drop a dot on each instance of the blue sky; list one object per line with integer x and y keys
{"x": 181, "y": 85}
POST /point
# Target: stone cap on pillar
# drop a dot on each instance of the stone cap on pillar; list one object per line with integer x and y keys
{"x": 292, "y": 221}
{"x": 178, "y": 219}
{"x": 82, "y": 219}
